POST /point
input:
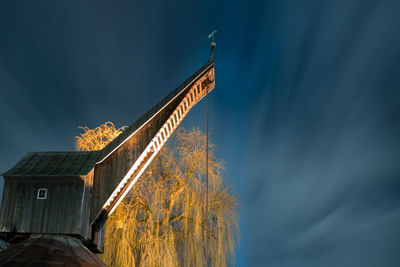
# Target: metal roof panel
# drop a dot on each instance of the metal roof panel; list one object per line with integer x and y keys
{"x": 55, "y": 164}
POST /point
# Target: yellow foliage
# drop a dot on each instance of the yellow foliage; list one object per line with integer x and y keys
{"x": 97, "y": 138}
{"x": 161, "y": 221}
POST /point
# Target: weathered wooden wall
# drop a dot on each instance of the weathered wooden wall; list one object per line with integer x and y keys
{"x": 60, "y": 213}
{"x": 109, "y": 173}
{"x": 85, "y": 204}
{"x": 111, "y": 179}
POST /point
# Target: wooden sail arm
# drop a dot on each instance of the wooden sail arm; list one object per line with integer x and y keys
{"x": 205, "y": 82}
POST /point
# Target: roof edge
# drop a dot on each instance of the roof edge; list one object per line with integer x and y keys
{"x": 196, "y": 75}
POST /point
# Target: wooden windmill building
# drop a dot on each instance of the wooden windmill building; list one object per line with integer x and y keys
{"x": 73, "y": 193}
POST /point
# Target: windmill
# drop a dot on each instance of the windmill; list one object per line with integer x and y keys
{"x": 73, "y": 193}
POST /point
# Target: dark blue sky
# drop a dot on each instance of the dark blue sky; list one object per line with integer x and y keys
{"x": 305, "y": 113}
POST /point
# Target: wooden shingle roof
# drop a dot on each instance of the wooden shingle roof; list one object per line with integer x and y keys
{"x": 55, "y": 164}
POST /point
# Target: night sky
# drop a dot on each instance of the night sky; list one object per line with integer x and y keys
{"x": 305, "y": 112}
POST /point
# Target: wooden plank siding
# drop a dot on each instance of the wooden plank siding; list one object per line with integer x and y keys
{"x": 85, "y": 205}
{"x": 111, "y": 180}
{"x": 109, "y": 173}
{"x": 68, "y": 177}
{"x": 22, "y": 212}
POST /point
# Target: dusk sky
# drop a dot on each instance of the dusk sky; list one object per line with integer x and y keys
{"x": 305, "y": 112}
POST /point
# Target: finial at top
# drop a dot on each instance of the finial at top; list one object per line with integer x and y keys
{"x": 212, "y": 37}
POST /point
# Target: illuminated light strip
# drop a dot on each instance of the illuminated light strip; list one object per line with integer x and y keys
{"x": 209, "y": 70}
{"x": 155, "y": 145}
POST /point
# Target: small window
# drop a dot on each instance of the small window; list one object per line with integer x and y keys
{"x": 42, "y": 193}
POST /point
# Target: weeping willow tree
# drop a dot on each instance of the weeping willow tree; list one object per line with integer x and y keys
{"x": 161, "y": 221}
{"x": 97, "y": 138}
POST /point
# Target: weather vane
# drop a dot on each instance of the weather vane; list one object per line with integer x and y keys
{"x": 212, "y": 37}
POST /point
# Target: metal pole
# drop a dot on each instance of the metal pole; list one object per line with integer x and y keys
{"x": 206, "y": 213}
{"x": 213, "y": 45}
